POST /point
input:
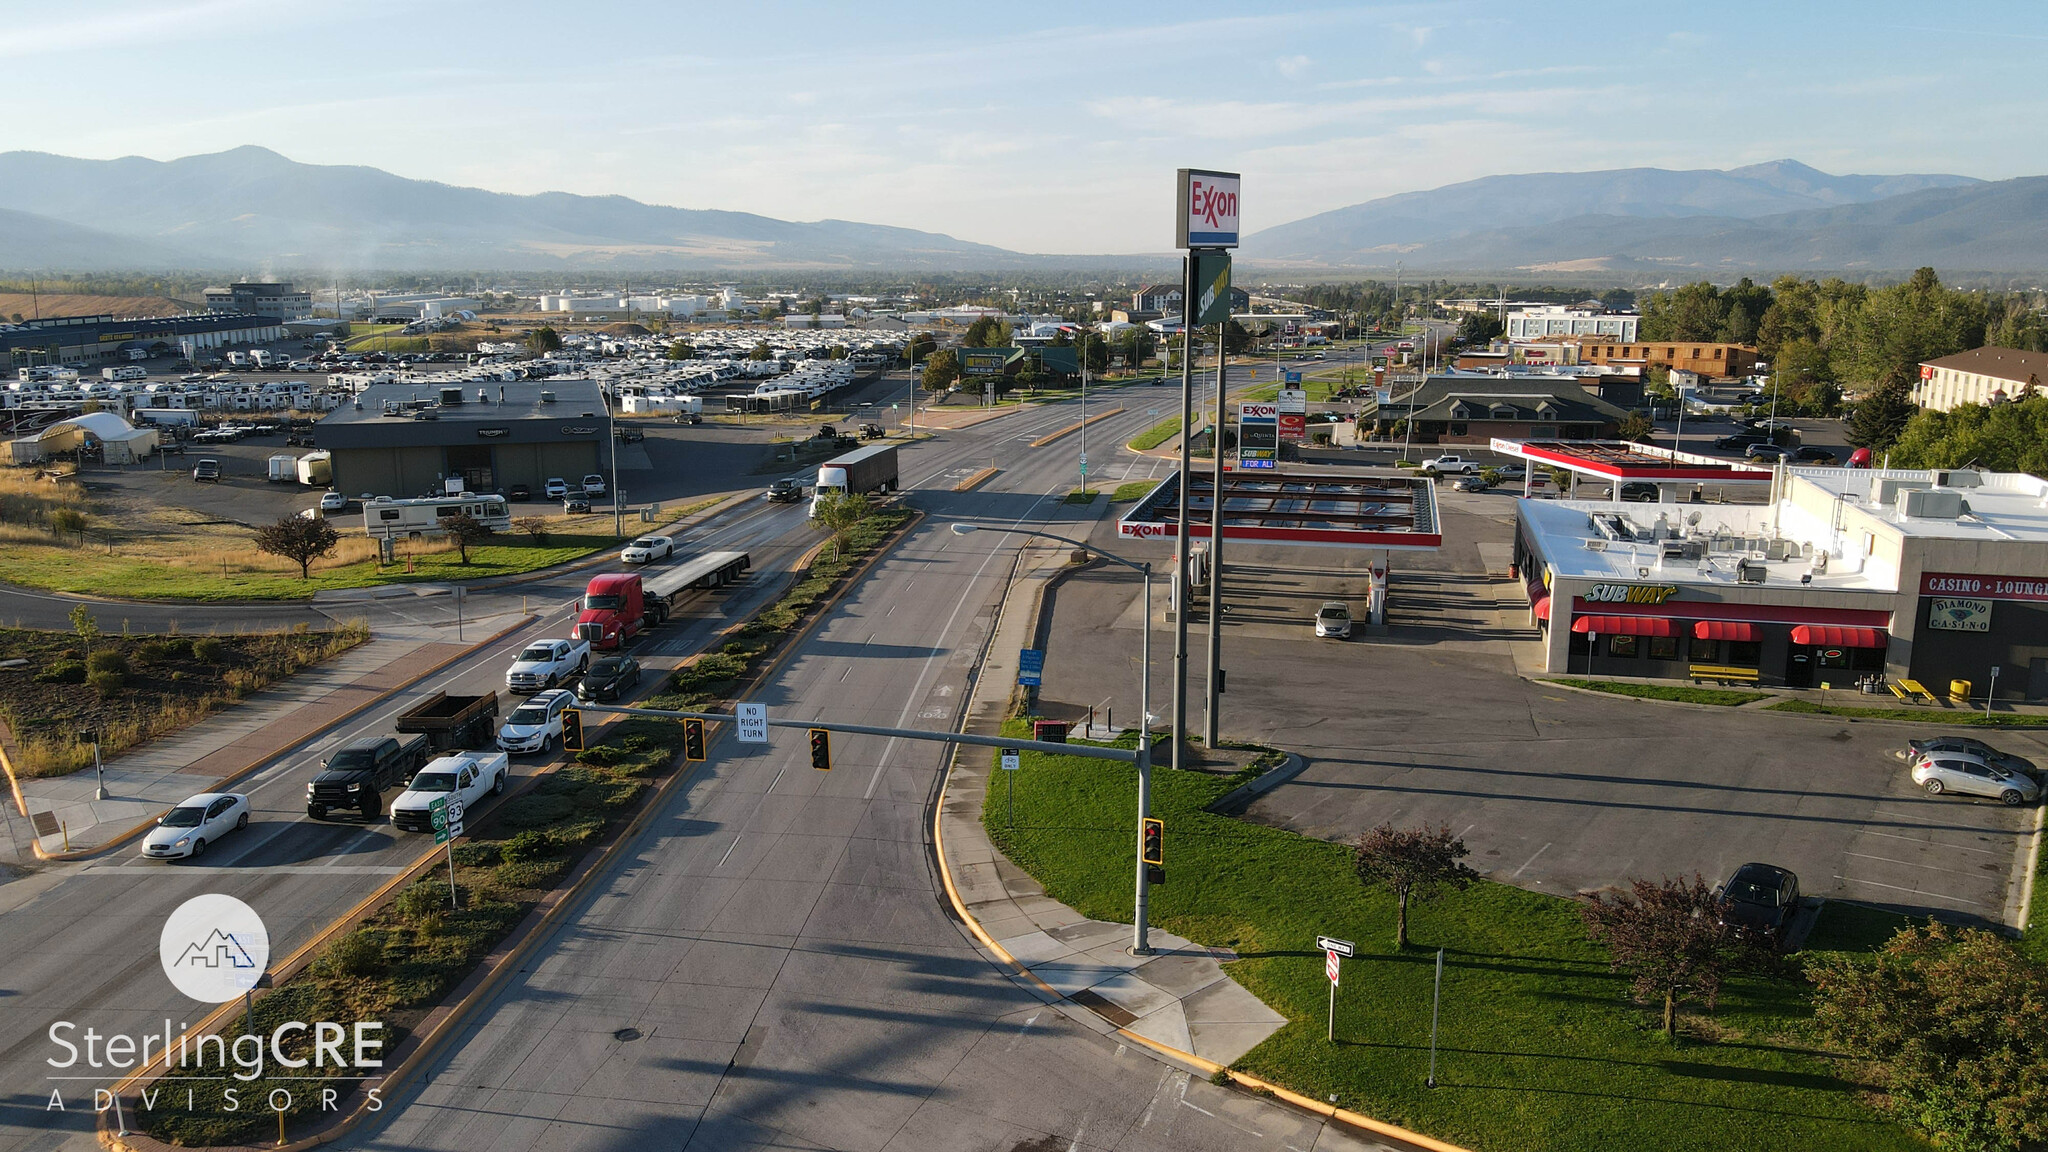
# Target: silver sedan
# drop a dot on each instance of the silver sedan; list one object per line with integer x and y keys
{"x": 1970, "y": 776}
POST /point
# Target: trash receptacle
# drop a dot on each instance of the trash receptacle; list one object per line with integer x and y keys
{"x": 1051, "y": 731}
{"x": 1959, "y": 691}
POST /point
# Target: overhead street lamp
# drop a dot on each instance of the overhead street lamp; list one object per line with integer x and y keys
{"x": 1139, "y": 946}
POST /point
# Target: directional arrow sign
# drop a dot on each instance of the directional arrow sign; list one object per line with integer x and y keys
{"x": 1341, "y": 947}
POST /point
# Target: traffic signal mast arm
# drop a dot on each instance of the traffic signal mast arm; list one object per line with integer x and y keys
{"x": 1122, "y": 755}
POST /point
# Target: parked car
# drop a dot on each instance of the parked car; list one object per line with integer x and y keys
{"x": 535, "y": 726}
{"x": 1968, "y": 775}
{"x": 207, "y": 471}
{"x": 1812, "y": 455}
{"x": 1917, "y": 750}
{"x": 1512, "y": 472}
{"x": 1333, "y": 620}
{"x": 197, "y": 821}
{"x": 555, "y": 488}
{"x": 593, "y": 485}
{"x": 519, "y": 492}
{"x": 576, "y": 505}
{"x": 1639, "y": 492}
{"x": 648, "y": 549}
{"x": 1759, "y": 898}
{"x": 1470, "y": 484}
{"x": 1740, "y": 441}
{"x": 608, "y": 679}
{"x": 1765, "y": 453}
{"x": 1448, "y": 464}
{"x": 628, "y": 434}
{"x": 332, "y": 501}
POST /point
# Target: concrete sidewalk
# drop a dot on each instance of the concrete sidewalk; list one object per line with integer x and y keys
{"x": 157, "y": 775}
{"x": 1179, "y": 997}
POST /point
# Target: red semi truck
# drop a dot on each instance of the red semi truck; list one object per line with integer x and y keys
{"x": 617, "y": 606}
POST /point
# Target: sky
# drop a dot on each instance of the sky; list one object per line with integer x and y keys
{"x": 1050, "y": 127}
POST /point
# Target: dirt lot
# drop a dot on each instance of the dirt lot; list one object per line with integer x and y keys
{"x": 54, "y": 685}
{"x": 49, "y": 304}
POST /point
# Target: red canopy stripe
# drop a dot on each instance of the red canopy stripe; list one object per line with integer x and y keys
{"x": 1625, "y": 625}
{"x": 1835, "y": 636}
{"x": 1727, "y": 630}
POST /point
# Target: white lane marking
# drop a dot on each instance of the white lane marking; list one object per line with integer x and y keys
{"x": 1915, "y": 891}
{"x": 1024, "y": 1028}
{"x": 252, "y": 870}
{"x": 1910, "y": 864}
{"x": 1932, "y": 844}
{"x": 1529, "y": 861}
{"x": 845, "y": 674}
{"x": 728, "y": 852}
{"x": 778, "y": 777}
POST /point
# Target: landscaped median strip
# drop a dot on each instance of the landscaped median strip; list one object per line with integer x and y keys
{"x": 799, "y": 610}
{"x": 1070, "y": 429}
{"x": 244, "y": 772}
{"x": 976, "y": 480}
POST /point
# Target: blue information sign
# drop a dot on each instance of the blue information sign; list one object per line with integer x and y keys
{"x": 1031, "y": 666}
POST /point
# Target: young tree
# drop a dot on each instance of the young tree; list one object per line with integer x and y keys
{"x": 535, "y": 527}
{"x": 1479, "y": 328}
{"x": 1636, "y": 427}
{"x": 941, "y": 370}
{"x": 1669, "y": 939}
{"x": 1959, "y": 1019}
{"x": 1881, "y": 416}
{"x": 761, "y": 351}
{"x": 299, "y": 539}
{"x": 63, "y": 520}
{"x": 838, "y": 513}
{"x": 1413, "y": 864}
{"x": 467, "y": 531}
{"x": 88, "y": 628}
{"x": 682, "y": 350}
{"x": 920, "y": 346}
{"x": 543, "y": 340}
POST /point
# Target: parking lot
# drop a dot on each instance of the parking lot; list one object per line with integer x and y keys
{"x": 1553, "y": 789}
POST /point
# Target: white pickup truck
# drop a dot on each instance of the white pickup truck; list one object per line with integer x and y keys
{"x": 466, "y": 777}
{"x": 1444, "y": 465}
{"x": 547, "y": 664}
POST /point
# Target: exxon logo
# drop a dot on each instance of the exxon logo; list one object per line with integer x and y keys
{"x": 1213, "y": 204}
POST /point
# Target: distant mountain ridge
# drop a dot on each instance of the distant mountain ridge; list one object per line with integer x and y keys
{"x": 1393, "y": 223}
{"x": 253, "y": 206}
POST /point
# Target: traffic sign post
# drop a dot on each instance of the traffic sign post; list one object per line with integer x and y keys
{"x": 1031, "y": 666}
{"x": 1010, "y": 762}
{"x": 1334, "y": 951}
{"x": 750, "y": 723}
{"x": 1436, "y": 1003}
{"x": 445, "y": 817}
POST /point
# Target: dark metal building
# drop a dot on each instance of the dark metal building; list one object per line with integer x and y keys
{"x": 407, "y": 439}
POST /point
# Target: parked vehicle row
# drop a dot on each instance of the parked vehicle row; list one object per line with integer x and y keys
{"x": 1970, "y": 767}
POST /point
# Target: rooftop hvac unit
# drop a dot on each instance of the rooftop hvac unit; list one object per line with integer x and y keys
{"x": 1749, "y": 571}
{"x": 1959, "y": 478}
{"x": 451, "y": 396}
{"x": 1931, "y": 503}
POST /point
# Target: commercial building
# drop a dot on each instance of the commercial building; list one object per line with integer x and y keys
{"x": 1980, "y": 376}
{"x": 278, "y": 301}
{"x": 90, "y": 339}
{"x": 1478, "y": 409}
{"x": 405, "y": 440}
{"x": 1711, "y": 361}
{"x": 1843, "y": 574}
{"x": 1554, "y": 320}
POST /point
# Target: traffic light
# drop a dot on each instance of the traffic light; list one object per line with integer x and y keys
{"x": 821, "y": 749}
{"x": 1155, "y": 841}
{"x": 572, "y": 729}
{"x": 693, "y": 740}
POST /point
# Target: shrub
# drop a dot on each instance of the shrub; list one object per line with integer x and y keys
{"x": 527, "y": 847}
{"x": 207, "y": 650}
{"x": 529, "y": 873}
{"x": 105, "y": 683}
{"x": 152, "y": 651}
{"x": 425, "y": 901}
{"x": 479, "y": 853}
{"x": 107, "y": 660}
{"x": 62, "y": 672}
{"x": 358, "y": 954}
{"x": 178, "y": 648}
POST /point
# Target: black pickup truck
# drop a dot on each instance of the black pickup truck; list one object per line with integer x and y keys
{"x": 356, "y": 776}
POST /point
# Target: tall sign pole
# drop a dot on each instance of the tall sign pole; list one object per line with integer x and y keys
{"x": 1182, "y": 540}
{"x": 1206, "y": 223}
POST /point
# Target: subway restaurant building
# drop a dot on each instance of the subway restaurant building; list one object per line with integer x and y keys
{"x": 1844, "y": 577}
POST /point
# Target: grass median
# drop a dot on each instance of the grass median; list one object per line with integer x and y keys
{"x": 1540, "y": 1046}
{"x": 1928, "y": 715}
{"x": 1724, "y": 697}
{"x": 1156, "y": 435}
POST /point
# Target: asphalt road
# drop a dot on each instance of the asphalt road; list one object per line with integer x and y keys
{"x": 772, "y": 964}
{"x": 81, "y": 937}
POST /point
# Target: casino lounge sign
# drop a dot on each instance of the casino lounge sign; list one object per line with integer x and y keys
{"x": 1630, "y": 593}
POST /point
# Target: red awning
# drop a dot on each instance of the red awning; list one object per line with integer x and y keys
{"x": 1541, "y": 606}
{"x": 1625, "y": 626}
{"x": 1835, "y": 636}
{"x": 1727, "y": 630}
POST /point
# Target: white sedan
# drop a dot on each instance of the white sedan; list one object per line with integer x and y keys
{"x": 332, "y": 501}
{"x": 648, "y": 549}
{"x": 187, "y": 829}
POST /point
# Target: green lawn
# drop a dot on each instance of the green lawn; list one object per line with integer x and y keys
{"x": 1156, "y": 435}
{"x": 1689, "y": 695}
{"x": 1927, "y": 715}
{"x": 1540, "y": 1047}
{"x": 1083, "y": 495}
{"x": 86, "y": 572}
{"x": 1135, "y": 490}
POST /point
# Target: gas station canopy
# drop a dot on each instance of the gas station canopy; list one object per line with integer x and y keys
{"x": 1621, "y": 460}
{"x": 1324, "y": 508}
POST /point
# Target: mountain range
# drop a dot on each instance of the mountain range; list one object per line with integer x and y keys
{"x": 250, "y": 209}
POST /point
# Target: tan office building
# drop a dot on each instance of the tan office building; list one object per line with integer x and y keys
{"x": 1980, "y": 376}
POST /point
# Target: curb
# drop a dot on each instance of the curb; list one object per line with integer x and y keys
{"x": 1070, "y": 429}
{"x": 1261, "y": 784}
{"x": 976, "y": 480}
{"x": 491, "y": 972}
{"x": 245, "y": 771}
{"x": 1764, "y": 706}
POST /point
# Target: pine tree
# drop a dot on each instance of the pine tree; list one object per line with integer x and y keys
{"x": 1882, "y": 415}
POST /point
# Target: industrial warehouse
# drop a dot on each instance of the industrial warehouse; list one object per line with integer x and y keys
{"x": 91, "y": 339}
{"x": 399, "y": 438}
{"x": 1913, "y": 582}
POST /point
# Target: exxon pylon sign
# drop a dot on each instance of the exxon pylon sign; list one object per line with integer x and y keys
{"x": 1207, "y": 216}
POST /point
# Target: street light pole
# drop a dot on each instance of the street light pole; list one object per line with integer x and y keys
{"x": 1140, "y": 946}
{"x": 611, "y": 421}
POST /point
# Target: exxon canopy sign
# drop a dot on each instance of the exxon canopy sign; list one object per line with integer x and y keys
{"x": 1207, "y": 215}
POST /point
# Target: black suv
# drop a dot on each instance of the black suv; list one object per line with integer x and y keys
{"x": 1760, "y": 899}
{"x": 1811, "y": 455}
{"x": 608, "y": 678}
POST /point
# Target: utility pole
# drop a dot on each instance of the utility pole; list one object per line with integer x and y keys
{"x": 1182, "y": 540}
{"x": 1214, "y": 687}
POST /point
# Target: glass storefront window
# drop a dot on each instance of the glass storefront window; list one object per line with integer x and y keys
{"x": 1663, "y": 647}
{"x": 1747, "y": 653}
{"x": 1621, "y": 647}
{"x": 1705, "y": 651}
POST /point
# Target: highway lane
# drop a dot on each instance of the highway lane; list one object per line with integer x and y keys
{"x": 80, "y": 938}
{"x": 772, "y": 964}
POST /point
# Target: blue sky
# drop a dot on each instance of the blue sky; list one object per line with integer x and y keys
{"x": 1050, "y": 127}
